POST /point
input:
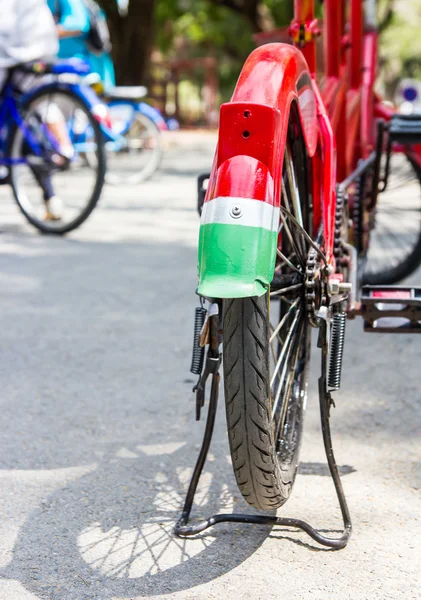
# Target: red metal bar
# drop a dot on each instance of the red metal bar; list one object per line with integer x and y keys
{"x": 356, "y": 40}
{"x": 353, "y": 143}
{"x": 367, "y": 98}
{"x": 328, "y": 149}
{"x": 332, "y": 37}
{"x": 303, "y": 10}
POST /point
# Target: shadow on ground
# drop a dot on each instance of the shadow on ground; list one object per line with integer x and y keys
{"x": 96, "y": 348}
{"x": 100, "y": 383}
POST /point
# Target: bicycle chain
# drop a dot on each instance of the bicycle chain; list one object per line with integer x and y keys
{"x": 357, "y": 209}
{"x": 312, "y": 285}
{"x": 339, "y": 222}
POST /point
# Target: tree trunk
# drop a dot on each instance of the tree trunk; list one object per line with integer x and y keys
{"x": 132, "y": 37}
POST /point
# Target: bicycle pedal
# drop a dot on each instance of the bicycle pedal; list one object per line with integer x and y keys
{"x": 391, "y": 309}
{"x": 405, "y": 129}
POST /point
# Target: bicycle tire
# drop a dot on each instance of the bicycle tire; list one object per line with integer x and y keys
{"x": 265, "y": 465}
{"x": 55, "y": 227}
{"x": 114, "y": 176}
{"x": 405, "y": 265}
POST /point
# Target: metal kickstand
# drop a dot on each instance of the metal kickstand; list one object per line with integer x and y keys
{"x": 183, "y": 529}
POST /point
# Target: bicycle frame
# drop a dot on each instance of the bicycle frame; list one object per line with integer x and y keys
{"x": 337, "y": 123}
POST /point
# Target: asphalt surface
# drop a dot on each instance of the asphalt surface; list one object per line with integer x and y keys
{"x": 98, "y": 438}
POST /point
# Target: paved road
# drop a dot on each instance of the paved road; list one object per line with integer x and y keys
{"x": 97, "y": 431}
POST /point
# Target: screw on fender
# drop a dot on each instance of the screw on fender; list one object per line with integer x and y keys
{"x": 236, "y": 211}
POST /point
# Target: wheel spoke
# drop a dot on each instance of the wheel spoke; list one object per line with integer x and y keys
{"x": 287, "y": 261}
{"x": 293, "y": 188}
{"x": 280, "y": 422}
{"x": 284, "y": 359}
{"x": 292, "y": 241}
{"x": 283, "y": 291}
{"x": 282, "y": 321}
{"x": 286, "y": 345}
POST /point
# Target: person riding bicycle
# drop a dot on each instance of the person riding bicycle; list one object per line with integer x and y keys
{"x": 73, "y": 23}
{"x": 28, "y": 34}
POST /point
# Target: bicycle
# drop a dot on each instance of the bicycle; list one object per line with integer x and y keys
{"x": 135, "y": 150}
{"x": 31, "y": 152}
{"x": 285, "y": 230}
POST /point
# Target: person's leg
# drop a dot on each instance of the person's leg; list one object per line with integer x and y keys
{"x": 52, "y": 116}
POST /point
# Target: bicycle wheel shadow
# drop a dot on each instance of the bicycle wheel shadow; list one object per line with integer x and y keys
{"x": 111, "y": 531}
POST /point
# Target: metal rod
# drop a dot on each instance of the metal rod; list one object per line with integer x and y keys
{"x": 361, "y": 168}
{"x": 288, "y": 262}
{"x": 287, "y": 289}
{"x": 285, "y": 348}
{"x": 292, "y": 241}
{"x": 280, "y": 423}
{"x": 282, "y": 321}
{"x": 306, "y": 235}
{"x": 200, "y": 463}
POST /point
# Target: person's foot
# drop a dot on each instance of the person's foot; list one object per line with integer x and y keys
{"x": 65, "y": 157}
{"x": 54, "y": 209}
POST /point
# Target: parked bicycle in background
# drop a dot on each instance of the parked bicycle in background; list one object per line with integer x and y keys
{"x": 42, "y": 112}
{"x": 135, "y": 152}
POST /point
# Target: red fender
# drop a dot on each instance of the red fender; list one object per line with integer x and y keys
{"x": 255, "y": 122}
{"x": 248, "y": 168}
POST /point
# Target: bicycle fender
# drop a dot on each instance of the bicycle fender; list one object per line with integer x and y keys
{"x": 145, "y": 109}
{"x": 240, "y": 217}
{"x": 85, "y": 93}
{"x": 153, "y": 114}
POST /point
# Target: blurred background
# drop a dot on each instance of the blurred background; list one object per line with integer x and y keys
{"x": 189, "y": 52}
{"x": 98, "y": 437}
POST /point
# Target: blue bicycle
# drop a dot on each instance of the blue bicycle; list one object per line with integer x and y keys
{"x": 45, "y": 135}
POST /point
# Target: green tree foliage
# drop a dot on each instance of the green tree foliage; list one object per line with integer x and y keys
{"x": 220, "y": 28}
{"x": 225, "y": 28}
{"x": 400, "y": 42}
{"x": 188, "y": 28}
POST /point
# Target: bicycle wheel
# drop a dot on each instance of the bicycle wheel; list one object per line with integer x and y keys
{"x": 266, "y": 360}
{"x": 140, "y": 154}
{"x": 395, "y": 241}
{"x": 38, "y": 171}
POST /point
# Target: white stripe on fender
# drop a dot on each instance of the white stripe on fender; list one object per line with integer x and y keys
{"x": 240, "y": 211}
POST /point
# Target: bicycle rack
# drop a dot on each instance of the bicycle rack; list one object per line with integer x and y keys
{"x": 183, "y": 529}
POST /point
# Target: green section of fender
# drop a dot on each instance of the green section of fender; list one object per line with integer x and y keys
{"x": 235, "y": 261}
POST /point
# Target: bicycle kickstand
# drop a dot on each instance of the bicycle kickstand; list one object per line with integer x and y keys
{"x": 183, "y": 529}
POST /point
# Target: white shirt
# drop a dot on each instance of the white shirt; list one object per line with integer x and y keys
{"x": 27, "y": 32}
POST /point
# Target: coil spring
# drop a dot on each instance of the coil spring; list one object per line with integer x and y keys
{"x": 336, "y": 351}
{"x": 198, "y": 353}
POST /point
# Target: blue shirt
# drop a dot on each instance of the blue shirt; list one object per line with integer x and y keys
{"x": 73, "y": 15}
